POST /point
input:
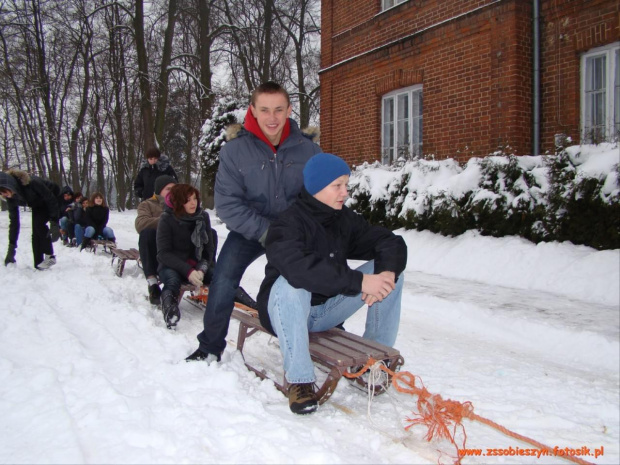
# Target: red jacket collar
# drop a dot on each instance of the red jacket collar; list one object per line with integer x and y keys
{"x": 251, "y": 125}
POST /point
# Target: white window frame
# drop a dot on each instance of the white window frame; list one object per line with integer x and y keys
{"x": 387, "y": 4}
{"x": 608, "y": 96}
{"x": 393, "y": 146}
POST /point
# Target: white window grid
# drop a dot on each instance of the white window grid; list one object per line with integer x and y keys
{"x": 401, "y": 124}
{"x": 600, "y": 94}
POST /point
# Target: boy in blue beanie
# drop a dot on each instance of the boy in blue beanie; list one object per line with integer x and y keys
{"x": 308, "y": 285}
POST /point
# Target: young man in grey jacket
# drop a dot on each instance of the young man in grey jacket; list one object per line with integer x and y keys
{"x": 259, "y": 176}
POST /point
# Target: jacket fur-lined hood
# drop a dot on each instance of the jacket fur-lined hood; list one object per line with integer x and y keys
{"x": 23, "y": 177}
{"x": 311, "y": 132}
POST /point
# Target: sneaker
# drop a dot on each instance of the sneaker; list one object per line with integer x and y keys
{"x": 200, "y": 356}
{"x": 154, "y": 294}
{"x": 301, "y": 398}
{"x": 47, "y": 263}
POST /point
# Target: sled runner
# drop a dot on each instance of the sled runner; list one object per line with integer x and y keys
{"x": 122, "y": 256}
{"x": 108, "y": 246}
{"x": 336, "y": 350}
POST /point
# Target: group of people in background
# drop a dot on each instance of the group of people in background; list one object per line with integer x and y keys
{"x": 278, "y": 194}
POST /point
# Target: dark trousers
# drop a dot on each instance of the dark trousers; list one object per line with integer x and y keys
{"x": 41, "y": 242}
{"x": 147, "y": 246}
{"x": 236, "y": 255}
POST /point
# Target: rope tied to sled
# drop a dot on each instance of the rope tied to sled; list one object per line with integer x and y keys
{"x": 443, "y": 417}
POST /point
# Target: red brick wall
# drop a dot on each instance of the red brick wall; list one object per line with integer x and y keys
{"x": 475, "y": 70}
{"x": 571, "y": 27}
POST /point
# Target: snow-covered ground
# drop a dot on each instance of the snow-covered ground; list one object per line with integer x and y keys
{"x": 528, "y": 333}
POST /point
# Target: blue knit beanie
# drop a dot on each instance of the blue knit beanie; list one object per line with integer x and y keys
{"x": 321, "y": 170}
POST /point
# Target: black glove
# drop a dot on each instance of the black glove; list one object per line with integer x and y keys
{"x": 54, "y": 233}
{"x": 10, "y": 254}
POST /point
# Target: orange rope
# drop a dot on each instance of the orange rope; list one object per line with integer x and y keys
{"x": 438, "y": 414}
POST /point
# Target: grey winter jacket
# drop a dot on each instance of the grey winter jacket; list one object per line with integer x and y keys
{"x": 253, "y": 185}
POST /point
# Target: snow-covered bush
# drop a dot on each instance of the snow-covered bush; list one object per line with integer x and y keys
{"x": 573, "y": 196}
{"x": 213, "y": 135}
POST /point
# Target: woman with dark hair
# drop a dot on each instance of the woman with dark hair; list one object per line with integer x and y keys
{"x": 185, "y": 247}
{"x": 96, "y": 217}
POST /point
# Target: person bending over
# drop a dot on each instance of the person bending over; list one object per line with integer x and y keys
{"x": 18, "y": 188}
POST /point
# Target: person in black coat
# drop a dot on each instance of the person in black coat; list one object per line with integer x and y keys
{"x": 154, "y": 166}
{"x": 309, "y": 286}
{"x": 65, "y": 214}
{"x": 185, "y": 247}
{"x": 18, "y": 188}
{"x": 96, "y": 217}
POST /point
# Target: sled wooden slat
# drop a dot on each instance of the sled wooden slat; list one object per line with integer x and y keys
{"x": 122, "y": 256}
{"x": 336, "y": 349}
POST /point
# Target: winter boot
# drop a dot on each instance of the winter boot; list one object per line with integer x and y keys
{"x": 301, "y": 398}
{"x": 244, "y": 298}
{"x": 200, "y": 356}
{"x": 155, "y": 294}
{"x": 170, "y": 308}
{"x": 85, "y": 243}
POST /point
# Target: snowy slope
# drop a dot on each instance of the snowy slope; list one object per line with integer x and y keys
{"x": 528, "y": 333}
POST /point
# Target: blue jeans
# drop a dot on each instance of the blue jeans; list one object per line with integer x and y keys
{"x": 79, "y": 233}
{"x": 107, "y": 232}
{"x": 236, "y": 255}
{"x": 292, "y": 318}
{"x": 172, "y": 280}
{"x": 67, "y": 226}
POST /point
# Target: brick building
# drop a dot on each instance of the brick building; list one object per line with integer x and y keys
{"x": 454, "y": 78}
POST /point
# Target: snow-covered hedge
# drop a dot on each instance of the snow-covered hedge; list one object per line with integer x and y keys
{"x": 573, "y": 196}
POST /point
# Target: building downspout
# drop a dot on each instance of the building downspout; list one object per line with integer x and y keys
{"x": 536, "y": 79}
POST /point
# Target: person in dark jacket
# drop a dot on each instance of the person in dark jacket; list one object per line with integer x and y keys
{"x": 308, "y": 285}
{"x": 154, "y": 166}
{"x": 146, "y": 223}
{"x": 65, "y": 214}
{"x": 185, "y": 247}
{"x": 259, "y": 176}
{"x": 96, "y": 216}
{"x": 18, "y": 188}
{"x": 79, "y": 218}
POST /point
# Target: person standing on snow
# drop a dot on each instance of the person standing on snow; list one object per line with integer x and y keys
{"x": 18, "y": 188}
{"x": 154, "y": 166}
{"x": 308, "y": 285}
{"x": 259, "y": 176}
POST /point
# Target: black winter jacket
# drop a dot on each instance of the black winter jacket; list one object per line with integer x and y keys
{"x": 64, "y": 204}
{"x": 38, "y": 193}
{"x": 144, "y": 185}
{"x": 97, "y": 216}
{"x": 310, "y": 243}
{"x": 175, "y": 248}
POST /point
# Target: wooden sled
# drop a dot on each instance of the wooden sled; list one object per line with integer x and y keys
{"x": 122, "y": 256}
{"x": 336, "y": 350}
{"x": 108, "y": 246}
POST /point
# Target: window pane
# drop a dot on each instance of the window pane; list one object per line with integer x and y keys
{"x": 388, "y": 130}
{"x": 403, "y": 126}
{"x": 616, "y": 135}
{"x": 595, "y": 95}
{"x": 416, "y": 123}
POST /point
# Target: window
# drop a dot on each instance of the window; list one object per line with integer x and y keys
{"x": 387, "y": 4}
{"x": 600, "y": 96}
{"x": 402, "y": 125}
